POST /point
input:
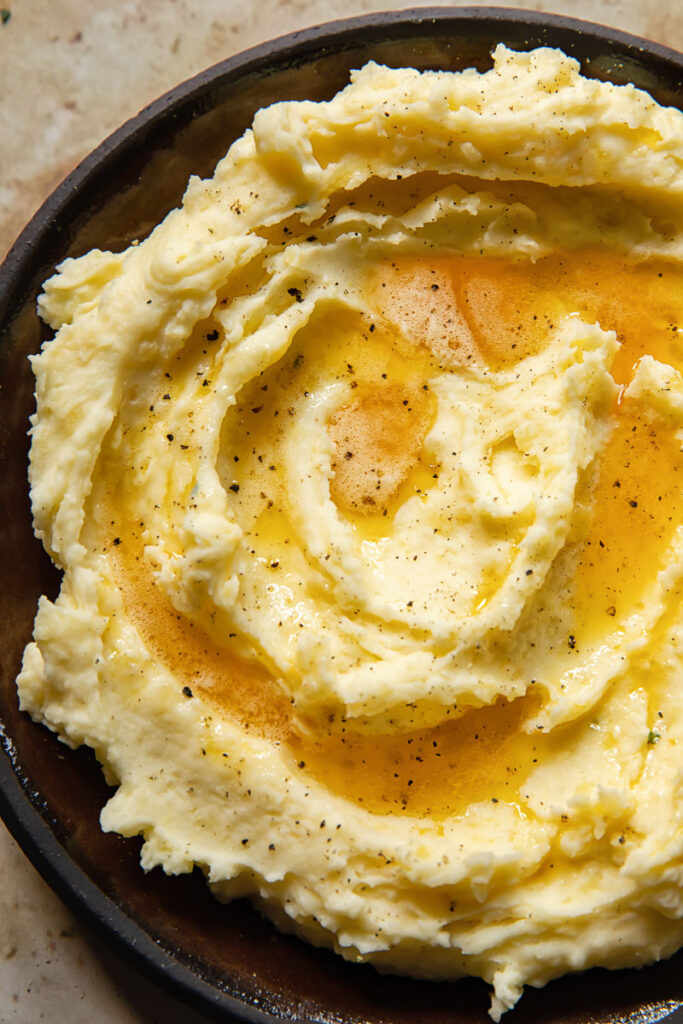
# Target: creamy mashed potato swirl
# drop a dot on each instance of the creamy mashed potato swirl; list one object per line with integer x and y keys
{"x": 364, "y": 474}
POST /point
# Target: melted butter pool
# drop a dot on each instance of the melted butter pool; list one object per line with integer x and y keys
{"x": 502, "y": 312}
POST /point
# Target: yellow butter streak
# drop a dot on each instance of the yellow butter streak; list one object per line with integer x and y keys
{"x": 505, "y": 311}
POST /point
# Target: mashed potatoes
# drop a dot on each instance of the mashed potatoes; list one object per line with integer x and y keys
{"x": 364, "y": 471}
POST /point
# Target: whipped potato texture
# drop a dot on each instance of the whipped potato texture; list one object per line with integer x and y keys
{"x": 364, "y": 473}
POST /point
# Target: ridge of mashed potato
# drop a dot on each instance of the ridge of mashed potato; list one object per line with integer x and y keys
{"x": 363, "y": 470}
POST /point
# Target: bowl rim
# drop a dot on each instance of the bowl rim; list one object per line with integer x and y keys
{"x": 97, "y": 910}
{"x": 289, "y": 47}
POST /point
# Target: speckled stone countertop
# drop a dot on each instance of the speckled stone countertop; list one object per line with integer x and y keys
{"x": 70, "y": 73}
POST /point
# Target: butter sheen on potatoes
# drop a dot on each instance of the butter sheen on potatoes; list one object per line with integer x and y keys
{"x": 364, "y": 472}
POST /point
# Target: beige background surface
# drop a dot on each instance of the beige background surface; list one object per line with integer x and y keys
{"x": 70, "y": 73}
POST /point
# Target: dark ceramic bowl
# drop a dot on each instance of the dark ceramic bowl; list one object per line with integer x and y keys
{"x": 228, "y": 961}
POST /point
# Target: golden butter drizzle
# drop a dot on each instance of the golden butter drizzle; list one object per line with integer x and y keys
{"x": 377, "y": 432}
{"x": 482, "y": 754}
{"x": 506, "y": 311}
